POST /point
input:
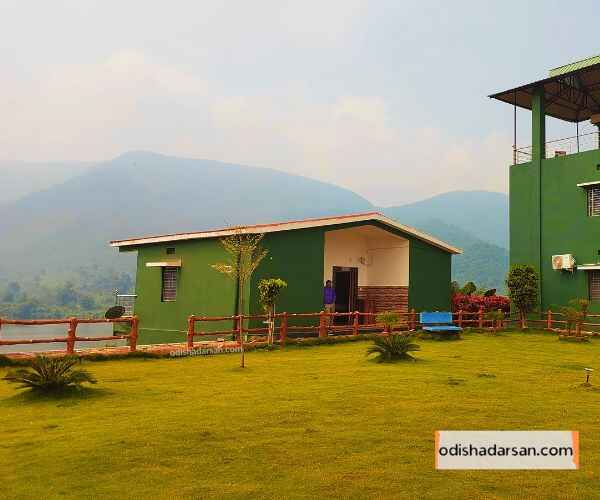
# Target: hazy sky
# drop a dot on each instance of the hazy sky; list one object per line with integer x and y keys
{"x": 387, "y": 98}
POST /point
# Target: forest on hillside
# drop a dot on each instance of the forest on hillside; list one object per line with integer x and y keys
{"x": 88, "y": 292}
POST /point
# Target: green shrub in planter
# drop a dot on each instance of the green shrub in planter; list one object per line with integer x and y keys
{"x": 389, "y": 319}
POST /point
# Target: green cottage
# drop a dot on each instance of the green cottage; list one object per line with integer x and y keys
{"x": 375, "y": 264}
{"x": 555, "y": 185}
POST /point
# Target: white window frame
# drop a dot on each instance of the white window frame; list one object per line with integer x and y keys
{"x": 593, "y": 201}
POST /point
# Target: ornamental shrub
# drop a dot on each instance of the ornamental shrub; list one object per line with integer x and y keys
{"x": 472, "y": 303}
{"x": 392, "y": 348}
{"x": 389, "y": 319}
{"x": 50, "y": 375}
{"x": 522, "y": 283}
{"x": 575, "y": 313}
{"x": 269, "y": 291}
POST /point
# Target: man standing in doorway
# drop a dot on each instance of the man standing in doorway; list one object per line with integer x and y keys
{"x": 329, "y": 299}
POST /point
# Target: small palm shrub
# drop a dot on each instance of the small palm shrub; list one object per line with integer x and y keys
{"x": 391, "y": 348}
{"x": 50, "y": 375}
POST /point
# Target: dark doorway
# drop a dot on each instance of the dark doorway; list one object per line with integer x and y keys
{"x": 345, "y": 284}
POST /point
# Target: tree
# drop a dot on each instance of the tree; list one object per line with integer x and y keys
{"x": 269, "y": 291}
{"x": 66, "y": 295}
{"x": 244, "y": 256}
{"x": 469, "y": 288}
{"x": 13, "y": 291}
{"x": 522, "y": 283}
{"x": 87, "y": 302}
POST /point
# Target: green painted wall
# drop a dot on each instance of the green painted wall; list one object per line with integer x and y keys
{"x": 200, "y": 290}
{"x": 294, "y": 256}
{"x": 565, "y": 226}
{"x": 297, "y": 258}
{"x": 548, "y": 215}
{"x": 430, "y": 272}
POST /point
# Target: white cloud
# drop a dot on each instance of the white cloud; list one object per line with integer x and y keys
{"x": 130, "y": 101}
{"x": 350, "y": 142}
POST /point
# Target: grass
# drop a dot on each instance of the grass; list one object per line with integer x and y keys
{"x": 302, "y": 423}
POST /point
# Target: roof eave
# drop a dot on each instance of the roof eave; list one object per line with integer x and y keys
{"x": 131, "y": 244}
{"x": 543, "y": 81}
{"x": 508, "y": 96}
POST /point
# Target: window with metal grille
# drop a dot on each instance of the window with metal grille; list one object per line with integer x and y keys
{"x": 593, "y": 194}
{"x": 594, "y": 284}
{"x": 169, "y": 284}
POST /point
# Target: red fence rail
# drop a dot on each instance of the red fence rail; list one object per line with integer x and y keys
{"x": 590, "y": 325}
{"x": 323, "y": 326}
{"x": 71, "y": 337}
{"x": 357, "y": 322}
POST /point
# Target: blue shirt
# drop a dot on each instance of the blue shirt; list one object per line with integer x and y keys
{"x": 328, "y": 295}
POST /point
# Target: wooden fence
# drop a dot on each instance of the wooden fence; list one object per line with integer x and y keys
{"x": 71, "y": 336}
{"x": 477, "y": 319}
{"x": 283, "y": 326}
{"x": 553, "y": 321}
{"x": 324, "y": 324}
{"x": 361, "y": 322}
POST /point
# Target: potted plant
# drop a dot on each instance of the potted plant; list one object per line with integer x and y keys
{"x": 269, "y": 291}
{"x": 389, "y": 319}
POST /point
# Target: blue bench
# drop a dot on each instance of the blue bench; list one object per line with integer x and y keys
{"x": 438, "y": 322}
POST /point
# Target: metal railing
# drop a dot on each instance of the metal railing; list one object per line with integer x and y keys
{"x": 561, "y": 147}
{"x": 127, "y": 301}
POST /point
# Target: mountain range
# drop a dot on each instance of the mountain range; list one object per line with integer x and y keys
{"x": 67, "y": 225}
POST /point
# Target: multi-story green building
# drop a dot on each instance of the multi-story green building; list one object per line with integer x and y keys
{"x": 555, "y": 185}
{"x": 374, "y": 262}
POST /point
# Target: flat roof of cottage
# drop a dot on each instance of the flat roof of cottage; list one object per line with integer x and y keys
{"x": 288, "y": 226}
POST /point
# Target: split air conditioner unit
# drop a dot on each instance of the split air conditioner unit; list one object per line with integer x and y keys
{"x": 563, "y": 262}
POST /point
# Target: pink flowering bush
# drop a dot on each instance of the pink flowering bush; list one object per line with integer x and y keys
{"x": 472, "y": 303}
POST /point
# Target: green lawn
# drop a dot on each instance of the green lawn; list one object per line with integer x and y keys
{"x": 304, "y": 423}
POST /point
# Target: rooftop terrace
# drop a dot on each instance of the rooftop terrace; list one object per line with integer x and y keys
{"x": 571, "y": 93}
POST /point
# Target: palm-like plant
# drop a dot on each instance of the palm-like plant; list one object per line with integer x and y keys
{"x": 389, "y": 319}
{"x": 50, "y": 374}
{"x": 393, "y": 348}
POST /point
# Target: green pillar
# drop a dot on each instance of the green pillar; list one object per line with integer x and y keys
{"x": 538, "y": 125}
{"x": 538, "y": 153}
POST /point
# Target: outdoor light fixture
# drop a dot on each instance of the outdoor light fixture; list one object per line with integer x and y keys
{"x": 588, "y": 372}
